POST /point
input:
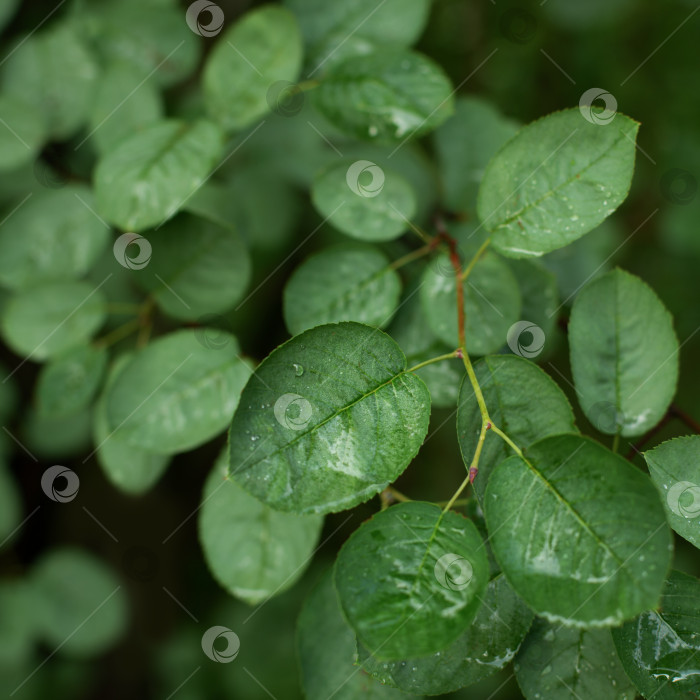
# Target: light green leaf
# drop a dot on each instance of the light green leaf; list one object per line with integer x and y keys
{"x": 660, "y": 650}
{"x": 124, "y": 104}
{"x": 624, "y": 354}
{"x": 329, "y": 419}
{"x": 69, "y": 381}
{"x": 561, "y": 663}
{"x": 196, "y": 268}
{"x": 363, "y": 200}
{"x": 22, "y": 131}
{"x": 523, "y": 401}
{"x": 387, "y": 96}
{"x": 557, "y": 179}
{"x": 129, "y": 468}
{"x": 53, "y": 236}
{"x": 264, "y": 47}
{"x": 44, "y": 321}
{"x": 254, "y": 552}
{"x": 84, "y": 619}
{"x": 491, "y": 303}
{"x": 149, "y": 176}
{"x": 326, "y": 648}
{"x": 411, "y": 579}
{"x": 675, "y": 469}
{"x": 177, "y": 393}
{"x": 348, "y": 282}
{"x": 578, "y": 531}
{"x": 465, "y": 144}
{"x": 55, "y": 72}
{"x": 487, "y": 645}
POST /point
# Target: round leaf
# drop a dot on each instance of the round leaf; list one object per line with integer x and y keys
{"x": 22, "y": 131}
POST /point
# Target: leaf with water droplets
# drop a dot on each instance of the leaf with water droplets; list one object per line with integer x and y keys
{"x": 660, "y": 650}
{"x": 555, "y": 180}
{"x": 578, "y": 531}
{"x": 411, "y": 579}
{"x": 336, "y": 434}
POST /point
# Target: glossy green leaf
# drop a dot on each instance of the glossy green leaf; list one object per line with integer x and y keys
{"x": 486, "y": 646}
{"x": 557, "y": 179}
{"x": 561, "y": 663}
{"x": 675, "y": 469}
{"x": 624, "y": 354}
{"x": 22, "y": 131}
{"x": 348, "y": 282}
{"x": 523, "y": 401}
{"x": 84, "y": 619}
{"x": 196, "y": 268}
{"x": 578, "y": 531}
{"x": 129, "y": 468}
{"x": 386, "y": 95}
{"x": 326, "y": 648}
{"x": 178, "y": 392}
{"x": 329, "y": 419}
{"x": 263, "y": 48}
{"x": 410, "y": 579}
{"x": 68, "y": 382}
{"x": 48, "y": 319}
{"x": 660, "y": 650}
{"x": 53, "y": 236}
{"x": 149, "y": 176}
{"x": 363, "y": 200}
{"x": 254, "y": 552}
{"x": 491, "y": 302}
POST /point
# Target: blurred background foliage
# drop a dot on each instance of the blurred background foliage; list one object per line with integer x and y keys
{"x": 523, "y": 60}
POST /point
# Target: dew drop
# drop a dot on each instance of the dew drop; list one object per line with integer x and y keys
{"x": 298, "y": 370}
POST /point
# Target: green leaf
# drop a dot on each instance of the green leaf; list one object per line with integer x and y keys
{"x": 52, "y": 237}
{"x": 624, "y": 354}
{"x": 177, "y": 393}
{"x": 19, "y": 622}
{"x": 410, "y": 579}
{"x": 62, "y": 436}
{"x": 22, "y": 131}
{"x": 660, "y": 650}
{"x": 328, "y": 419}
{"x": 491, "y": 303}
{"x": 486, "y": 646}
{"x": 364, "y": 201}
{"x": 385, "y": 96}
{"x": 561, "y": 663}
{"x": 675, "y": 469}
{"x": 86, "y": 619}
{"x": 254, "y": 552}
{"x": 123, "y": 105}
{"x": 557, "y": 179}
{"x": 334, "y": 31}
{"x": 68, "y": 382}
{"x": 149, "y": 176}
{"x": 48, "y": 319}
{"x": 54, "y": 72}
{"x": 129, "y": 468}
{"x": 196, "y": 268}
{"x": 348, "y": 282}
{"x": 465, "y": 144}
{"x": 523, "y": 401}
{"x": 578, "y": 531}
{"x": 326, "y": 650}
{"x": 264, "y": 47}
